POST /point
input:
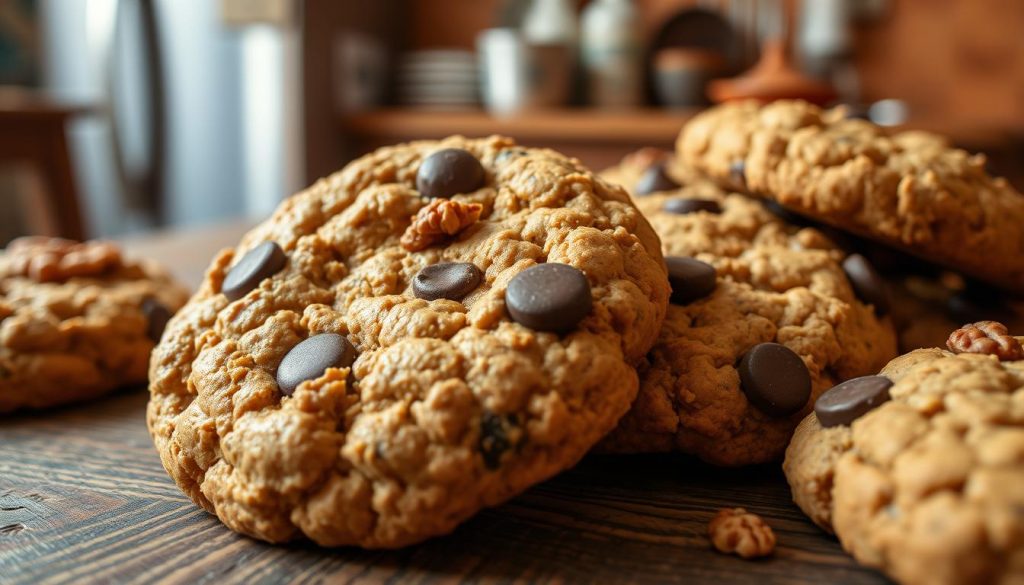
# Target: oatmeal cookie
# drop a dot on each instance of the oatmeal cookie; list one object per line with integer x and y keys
{"x": 919, "y": 470}
{"x": 908, "y": 190}
{"x": 763, "y": 319}
{"x": 328, "y": 382}
{"x": 77, "y": 320}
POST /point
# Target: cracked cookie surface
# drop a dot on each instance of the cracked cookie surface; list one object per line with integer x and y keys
{"x": 909, "y": 190}
{"x": 449, "y": 405}
{"x": 774, "y": 283}
{"x": 76, "y": 320}
{"x": 926, "y": 486}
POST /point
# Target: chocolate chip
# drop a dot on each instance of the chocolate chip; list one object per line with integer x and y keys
{"x": 157, "y": 316}
{"x": 775, "y": 379}
{"x": 549, "y": 297}
{"x": 867, "y": 283}
{"x": 738, "y": 173}
{"x": 847, "y": 402}
{"x": 685, "y": 206}
{"x": 655, "y": 179}
{"x": 494, "y": 437}
{"x": 310, "y": 359}
{"x": 691, "y": 279}
{"x": 448, "y": 280}
{"x": 262, "y": 262}
{"x": 448, "y": 172}
{"x": 776, "y": 209}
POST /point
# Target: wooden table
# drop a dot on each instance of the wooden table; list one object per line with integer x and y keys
{"x": 83, "y": 499}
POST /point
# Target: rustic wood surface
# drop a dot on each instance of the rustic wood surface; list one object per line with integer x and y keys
{"x": 83, "y": 499}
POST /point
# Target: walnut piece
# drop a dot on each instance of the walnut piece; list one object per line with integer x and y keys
{"x": 46, "y": 259}
{"x": 986, "y": 337}
{"x": 440, "y": 219}
{"x": 740, "y": 532}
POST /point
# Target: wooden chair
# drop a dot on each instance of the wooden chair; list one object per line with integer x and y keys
{"x": 33, "y": 131}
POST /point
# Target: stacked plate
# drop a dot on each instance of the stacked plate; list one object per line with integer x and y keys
{"x": 438, "y": 79}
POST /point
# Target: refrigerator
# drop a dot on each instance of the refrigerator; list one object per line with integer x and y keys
{"x": 194, "y": 116}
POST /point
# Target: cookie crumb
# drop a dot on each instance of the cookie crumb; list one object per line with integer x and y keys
{"x": 736, "y": 531}
{"x": 439, "y": 219}
{"x": 986, "y": 337}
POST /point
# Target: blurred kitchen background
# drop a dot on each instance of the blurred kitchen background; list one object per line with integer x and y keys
{"x": 122, "y": 116}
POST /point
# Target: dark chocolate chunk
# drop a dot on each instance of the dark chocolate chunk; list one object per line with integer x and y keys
{"x": 781, "y": 212}
{"x": 447, "y": 280}
{"x": 448, "y": 172}
{"x": 774, "y": 379}
{"x": 691, "y": 279}
{"x": 846, "y": 402}
{"x": 157, "y": 316}
{"x": 494, "y": 437}
{"x": 684, "y": 206}
{"x": 310, "y": 359}
{"x": 655, "y": 179}
{"x": 549, "y": 297}
{"x": 262, "y": 262}
{"x": 867, "y": 283}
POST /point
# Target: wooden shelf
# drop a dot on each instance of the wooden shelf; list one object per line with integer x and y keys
{"x": 648, "y": 126}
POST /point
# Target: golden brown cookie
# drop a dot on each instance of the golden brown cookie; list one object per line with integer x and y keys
{"x": 335, "y": 381}
{"x": 908, "y": 190}
{"x": 76, "y": 320}
{"x": 924, "y": 482}
{"x": 765, "y": 284}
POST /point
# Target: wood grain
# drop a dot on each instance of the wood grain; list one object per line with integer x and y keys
{"x": 84, "y": 499}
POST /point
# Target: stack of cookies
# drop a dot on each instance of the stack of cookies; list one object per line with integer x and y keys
{"x": 918, "y": 469}
{"x": 764, "y": 317}
{"x": 441, "y": 325}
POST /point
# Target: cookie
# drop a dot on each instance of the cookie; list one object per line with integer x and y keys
{"x": 919, "y": 470}
{"x": 77, "y": 320}
{"x": 428, "y": 332}
{"x": 750, "y": 339}
{"x": 908, "y": 190}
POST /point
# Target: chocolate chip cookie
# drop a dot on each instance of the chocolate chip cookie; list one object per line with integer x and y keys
{"x": 919, "y": 469}
{"x": 77, "y": 320}
{"x": 763, "y": 318}
{"x": 429, "y": 331}
{"x": 908, "y": 190}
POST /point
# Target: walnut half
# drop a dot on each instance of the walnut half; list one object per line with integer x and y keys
{"x": 986, "y": 337}
{"x": 739, "y": 532}
{"x": 440, "y": 219}
{"x": 46, "y": 259}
